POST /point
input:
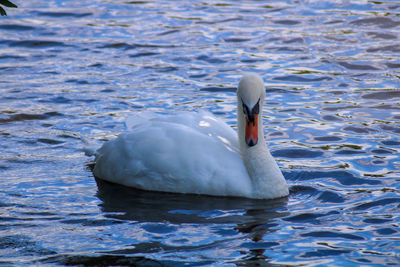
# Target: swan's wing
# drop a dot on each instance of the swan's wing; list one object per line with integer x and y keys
{"x": 186, "y": 153}
{"x": 203, "y": 121}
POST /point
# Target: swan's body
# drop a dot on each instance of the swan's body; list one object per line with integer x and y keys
{"x": 194, "y": 152}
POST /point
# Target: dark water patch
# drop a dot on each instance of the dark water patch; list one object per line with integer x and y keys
{"x": 211, "y": 60}
{"x": 332, "y": 118}
{"x": 162, "y": 69}
{"x": 51, "y": 72}
{"x": 324, "y": 253}
{"x": 24, "y": 117}
{"x": 352, "y": 180}
{"x": 297, "y": 40}
{"x": 297, "y": 153}
{"x": 143, "y": 54}
{"x": 12, "y": 219}
{"x": 378, "y": 162}
{"x": 276, "y": 134}
{"x": 381, "y": 35}
{"x": 297, "y": 78}
{"x": 333, "y": 234}
{"x": 391, "y": 143}
{"x": 393, "y": 65}
{"x": 381, "y": 151}
{"x": 289, "y": 110}
{"x": 359, "y": 130}
{"x": 386, "y": 106}
{"x": 331, "y": 197}
{"x": 380, "y": 22}
{"x": 107, "y": 91}
{"x": 159, "y": 228}
{"x": 340, "y": 107}
{"x": 303, "y": 189}
{"x": 377, "y": 220}
{"x": 124, "y": 46}
{"x": 145, "y": 247}
{"x": 287, "y": 22}
{"x": 271, "y": 89}
{"x": 251, "y": 60}
{"x": 327, "y": 138}
{"x": 4, "y": 167}
{"x": 64, "y": 14}
{"x": 286, "y": 49}
{"x": 56, "y": 100}
{"x": 4, "y": 134}
{"x": 49, "y": 141}
{"x": 335, "y": 21}
{"x": 69, "y": 136}
{"x": 168, "y": 32}
{"x": 85, "y": 82}
{"x": 217, "y": 21}
{"x": 386, "y": 231}
{"x": 77, "y": 81}
{"x": 390, "y": 128}
{"x": 6, "y": 57}
{"x": 352, "y": 66}
{"x": 16, "y": 27}
{"x": 383, "y": 95}
{"x": 218, "y": 89}
{"x": 24, "y": 245}
{"x": 196, "y": 76}
{"x": 96, "y": 65}
{"x": 396, "y": 117}
{"x": 102, "y": 260}
{"x": 27, "y": 161}
{"x": 138, "y": 2}
{"x": 156, "y": 45}
{"x": 388, "y": 49}
{"x": 377, "y": 203}
{"x": 236, "y": 40}
{"x": 260, "y": 245}
{"x": 42, "y": 214}
{"x": 37, "y": 44}
{"x": 343, "y": 177}
{"x": 310, "y": 218}
{"x": 129, "y": 46}
{"x": 92, "y": 222}
{"x": 349, "y": 152}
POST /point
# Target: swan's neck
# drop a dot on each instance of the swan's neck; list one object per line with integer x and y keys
{"x": 267, "y": 178}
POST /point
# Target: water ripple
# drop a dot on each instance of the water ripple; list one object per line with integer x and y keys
{"x": 70, "y": 73}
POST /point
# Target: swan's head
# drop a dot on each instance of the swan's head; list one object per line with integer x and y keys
{"x": 251, "y": 94}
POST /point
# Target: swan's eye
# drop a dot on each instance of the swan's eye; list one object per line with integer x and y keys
{"x": 256, "y": 108}
{"x": 245, "y": 109}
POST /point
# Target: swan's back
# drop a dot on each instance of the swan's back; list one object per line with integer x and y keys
{"x": 188, "y": 152}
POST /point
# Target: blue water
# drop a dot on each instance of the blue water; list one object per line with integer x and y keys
{"x": 74, "y": 70}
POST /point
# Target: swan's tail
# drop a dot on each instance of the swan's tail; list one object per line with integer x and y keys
{"x": 88, "y": 148}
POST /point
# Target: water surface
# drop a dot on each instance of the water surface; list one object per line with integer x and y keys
{"x": 71, "y": 72}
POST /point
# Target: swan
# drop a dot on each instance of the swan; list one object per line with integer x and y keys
{"x": 196, "y": 153}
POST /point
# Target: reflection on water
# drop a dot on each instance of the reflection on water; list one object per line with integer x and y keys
{"x": 132, "y": 204}
{"x": 71, "y": 72}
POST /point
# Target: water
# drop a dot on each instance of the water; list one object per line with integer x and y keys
{"x": 73, "y": 70}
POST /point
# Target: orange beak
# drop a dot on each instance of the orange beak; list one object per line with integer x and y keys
{"x": 251, "y": 134}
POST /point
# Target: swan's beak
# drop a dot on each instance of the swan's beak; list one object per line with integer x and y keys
{"x": 251, "y": 133}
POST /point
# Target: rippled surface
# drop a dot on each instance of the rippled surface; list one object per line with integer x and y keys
{"x": 72, "y": 71}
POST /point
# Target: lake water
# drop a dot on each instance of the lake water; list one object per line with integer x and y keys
{"x": 72, "y": 71}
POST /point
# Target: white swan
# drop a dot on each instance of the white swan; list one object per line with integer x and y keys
{"x": 194, "y": 152}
